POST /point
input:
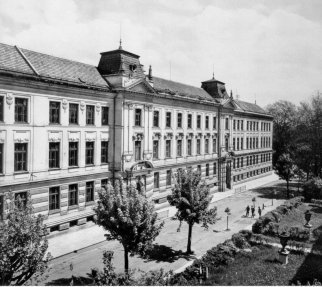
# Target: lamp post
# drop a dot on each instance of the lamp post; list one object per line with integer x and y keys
{"x": 307, "y": 216}
{"x": 273, "y": 196}
{"x": 254, "y": 201}
{"x": 227, "y": 210}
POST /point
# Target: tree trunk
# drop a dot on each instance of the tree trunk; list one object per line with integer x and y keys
{"x": 287, "y": 189}
{"x": 189, "y": 239}
{"x": 126, "y": 261}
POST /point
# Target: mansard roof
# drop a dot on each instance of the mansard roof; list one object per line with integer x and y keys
{"x": 170, "y": 87}
{"x": 14, "y": 59}
{"x": 249, "y": 107}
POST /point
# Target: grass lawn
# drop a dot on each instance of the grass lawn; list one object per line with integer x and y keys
{"x": 260, "y": 267}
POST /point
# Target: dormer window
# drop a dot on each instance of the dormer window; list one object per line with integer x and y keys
{"x": 133, "y": 68}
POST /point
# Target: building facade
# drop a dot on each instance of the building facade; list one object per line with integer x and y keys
{"x": 67, "y": 128}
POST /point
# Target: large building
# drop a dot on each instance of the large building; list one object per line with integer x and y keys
{"x": 66, "y": 128}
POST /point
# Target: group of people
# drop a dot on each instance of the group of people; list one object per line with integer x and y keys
{"x": 252, "y": 209}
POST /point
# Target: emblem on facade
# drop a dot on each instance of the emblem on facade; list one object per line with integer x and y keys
{"x": 98, "y": 107}
{"x": 82, "y": 106}
{"x": 156, "y": 136}
{"x": 127, "y": 157}
{"x": 168, "y": 136}
{"x": 9, "y": 99}
{"x": 65, "y": 104}
{"x": 138, "y": 136}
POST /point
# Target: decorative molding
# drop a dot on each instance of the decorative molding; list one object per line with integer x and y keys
{"x": 104, "y": 136}
{"x": 180, "y": 136}
{"x": 207, "y": 135}
{"x": 73, "y": 136}
{"x": 54, "y": 136}
{"x": 168, "y": 136}
{"x": 65, "y": 104}
{"x": 9, "y": 99}
{"x": 189, "y": 136}
{"x": 156, "y": 136}
{"x": 98, "y": 107}
{"x": 148, "y": 107}
{"x": 198, "y": 135}
{"x": 147, "y": 155}
{"x": 138, "y": 136}
{"x": 21, "y": 137}
{"x": 90, "y": 136}
{"x": 82, "y": 106}
{"x": 127, "y": 157}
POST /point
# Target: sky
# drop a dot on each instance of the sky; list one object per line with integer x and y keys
{"x": 263, "y": 50}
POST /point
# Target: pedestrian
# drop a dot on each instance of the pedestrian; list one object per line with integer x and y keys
{"x": 253, "y": 211}
{"x": 263, "y": 206}
{"x": 247, "y": 210}
{"x": 259, "y": 211}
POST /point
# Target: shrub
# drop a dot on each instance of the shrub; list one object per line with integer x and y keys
{"x": 276, "y": 216}
{"x": 272, "y": 229}
{"x": 313, "y": 189}
{"x": 240, "y": 241}
{"x": 246, "y": 233}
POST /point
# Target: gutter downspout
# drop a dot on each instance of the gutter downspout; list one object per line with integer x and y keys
{"x": 219, "y": 148}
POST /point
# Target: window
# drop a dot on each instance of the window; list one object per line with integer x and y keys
{"x": 189, "y": 147}
{"x": 189, "y": 121}
{"x": 72, "y": 194}
{"x": 89, "y": 153}
{"x": 179, "y": 120}
{"x": 90, "y": 115}
{"x": 247, "y": 143}
{"x": 241, "y": 162}
{"x": 168, "y": 148}
{"x": 179, "y": 147}
{"x": 214, "y": 123}
{"x": 89, "y": 191}
{"x": 105, "y": 114}
{"x": 54, "y": 157}
{"x": 199, "y": 169}
{"x": 54, "y": 198}
{"x": 237, "y": 162}
{"x": 156, "y": 180}
{"x": 215, "y": 168}
{"x": 242, "y": 143}
{"x": 137, "y": 150}
{"x": 226, "y": 124}
{"x": 206, "y": 145}
{"x": 242, "y": 125}
{"x": 198, "y": 121}
{"x": 207, "y": 169}
{"x": 1, "y": 158}
{"x": 198, "y": 146}
{"x": 156, "y": 149}
{"x": 104, "y": 152}
{"x": 168, "y": 120}
{"x": 234, "y": 144}
{"x": 226, "y": 144}
{"x": 21, "y": 110}
{"x": 138, "y": 114}
{"x": 168, "y": 179}
{"x": 73, "y": 154}
{"x": 21, "y": 157}
{"x": 1, "y": 111}
{"x": 237, "y": 143}
{"x": 73, "y": 114}
{"x": 234, "y": 124}
{"x": 156, "y": 118}
{"x": 54, "y": 112}
{"x": 207, "y": 122}
{"x": 238, "y": 125}
{"x": 23, "y": 196}
{"x": 214, "y": 145}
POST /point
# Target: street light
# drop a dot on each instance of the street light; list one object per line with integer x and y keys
{"x": 227, "y": 210}
{"x": 273, "y": 196}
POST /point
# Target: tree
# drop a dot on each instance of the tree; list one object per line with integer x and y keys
{"x": 192, "y": 197}
{"x": 23, "y": 244}
{"x": 284, "y": 168}
{"x": 129, "y": 217}
{"x": 284, "y": 126}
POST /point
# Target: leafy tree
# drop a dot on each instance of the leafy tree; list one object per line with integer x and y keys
{"x": 284, "y": 168}
{"x": 23, "y": 245}
{"x": 284, "y": 126}
{"x": 129, "y": 217}
{"x": 192, "y": 197}
{"x": 312, "y": 189}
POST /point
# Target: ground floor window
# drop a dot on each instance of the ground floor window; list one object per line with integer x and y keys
{"x": 54, "y": 198}
{"x": 89, "y": 191}
{"x": 73, "y": 194}
{"x": 156, "y": 180}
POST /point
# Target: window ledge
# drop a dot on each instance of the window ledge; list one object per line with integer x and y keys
{"x": 53, "y": 211}
{"x": 54, "y": 168}
{"x": 55, "y": 124}
{"x": 73, "y": 167}
{"x": 71, "y": 207}
{"x": 22, "y": 123}
{"x": 71, "y": 124}
{"x": 21, "y": 172}
{"x": 88, "y": 203}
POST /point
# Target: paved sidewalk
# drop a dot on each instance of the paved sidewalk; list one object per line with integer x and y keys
{"x": 77, "y": 238}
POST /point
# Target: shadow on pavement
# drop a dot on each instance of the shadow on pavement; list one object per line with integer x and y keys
{"x": 163, "y": 253}
{"x": 76, "y": 281}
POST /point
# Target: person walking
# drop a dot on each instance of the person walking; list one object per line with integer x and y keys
{"x": 263, "y": 206}
{"x": 247, "y": 210}
{"x": 253, "y": 211}
{"x": 259, "y": 211}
